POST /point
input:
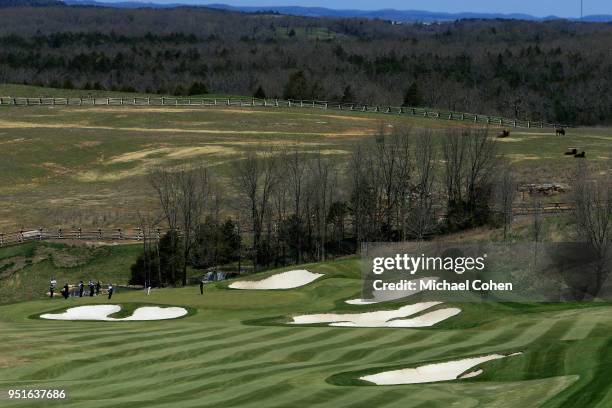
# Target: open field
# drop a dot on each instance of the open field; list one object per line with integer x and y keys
{"x": 88, "y": 165}
{"x": 236, "y": 351}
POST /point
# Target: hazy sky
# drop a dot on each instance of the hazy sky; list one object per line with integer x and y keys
{"x": 562, "y": 8}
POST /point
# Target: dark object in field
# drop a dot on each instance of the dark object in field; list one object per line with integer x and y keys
{"x": 560, "y": 131}
{"x": 571, "y": 152}
{"x": 504, "y": 133}
{"x": 544, "y": 188}
{"x": 580, "y": 155}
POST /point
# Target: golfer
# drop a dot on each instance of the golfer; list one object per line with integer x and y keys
{"x": 110, "y": 290}
{"x": 52, "y": 285}
{"x": 66, "y": 291}
{"x": 81, "y": 288}
{"x": 91, "y": 289}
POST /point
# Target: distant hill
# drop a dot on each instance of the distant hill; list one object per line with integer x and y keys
{"x": 403, "y": 16}
{"x": 30, "y": 3}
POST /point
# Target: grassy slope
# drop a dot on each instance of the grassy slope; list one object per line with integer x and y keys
{"x": 88, "y": 165}
{"x": 214, "y": 358}
{"x": 25, "y": 270}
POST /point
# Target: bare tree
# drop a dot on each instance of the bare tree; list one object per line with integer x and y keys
{"x": 592, "y": 200}
{"x": 422, "y": 220}
{"x": 162, "y": 182}
{"x": 148, "y": 225}
{"x": 504, "y": 194}
{"x": 323, "y": 186}
{"x": 256, "y": 178}
{"x": 481, "y": 153}
{"x": 469, "y": 158}
{"x": 454, "y": 154}
{"x": 183, "y": 194}
{"x": 295, "y": 164}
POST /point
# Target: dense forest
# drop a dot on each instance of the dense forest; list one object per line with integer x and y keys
{"x": 557, "y": 70}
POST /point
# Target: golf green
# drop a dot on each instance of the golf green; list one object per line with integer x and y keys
{"x": 233, "y": 349}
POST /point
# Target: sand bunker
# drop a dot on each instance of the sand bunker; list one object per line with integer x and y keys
{"x": 448, "y": 371}
{"x": 101, "y": 312}
{"x": 384, "y": 318}
{"x": 285, "y": 280}
{"x": 388, "y": 295}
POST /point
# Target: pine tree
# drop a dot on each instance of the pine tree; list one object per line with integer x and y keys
{"x": 260, "y": 93}
{"x": 413, "y": 96}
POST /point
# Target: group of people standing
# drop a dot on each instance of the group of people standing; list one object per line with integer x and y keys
{"x": 94, "y": 289}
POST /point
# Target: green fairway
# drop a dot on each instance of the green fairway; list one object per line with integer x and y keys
{"x": 224, "y": 354}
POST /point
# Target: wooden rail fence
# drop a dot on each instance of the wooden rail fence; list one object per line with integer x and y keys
{"x": 136, "y": 234}
{"x": 278, "y": 103}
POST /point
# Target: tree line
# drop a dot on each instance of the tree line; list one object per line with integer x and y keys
{"x": 556, "y": 71}
{"x": 291, "y": 207}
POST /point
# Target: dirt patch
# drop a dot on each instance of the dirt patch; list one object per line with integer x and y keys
{"x": 522, "y": 157}
{"x": 4, "y": 124}
{"x": 351, "y": 118}
{"x": 173, "y": 153}
{"x": 55, "y": 168}
{"x": 91, "y": 143}
{"x": 20, "y": 140}
{"x": 124, "y": 109}
{"x": 8, "y": 361}
{"x": 509, "y": 140}
{"x": 352, "y": 132}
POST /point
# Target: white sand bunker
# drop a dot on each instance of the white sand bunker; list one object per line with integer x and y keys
{"x": 448, "y": 371}
{"x": 285, "y": 280}
{"x": 379, "y": 296}
{"x": 385, "y": 318}
{"x": 101, "y": 312}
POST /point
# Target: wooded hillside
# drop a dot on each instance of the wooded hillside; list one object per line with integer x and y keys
{"x": 557, "y": 71}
